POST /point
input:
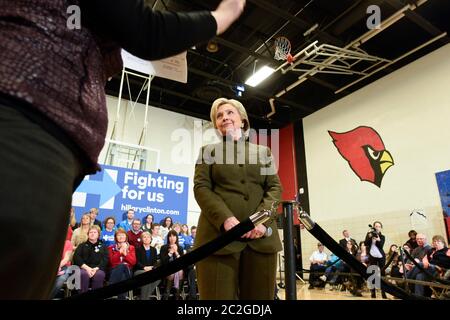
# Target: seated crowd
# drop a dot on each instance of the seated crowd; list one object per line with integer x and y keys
{"x": 431, "y": 262}
{"x": 108, "y": 253}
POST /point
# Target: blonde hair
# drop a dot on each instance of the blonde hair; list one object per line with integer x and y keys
{"x": 145, "y": 233}
{"x": 95, "y": 227}
{"x": 239, "y": 107}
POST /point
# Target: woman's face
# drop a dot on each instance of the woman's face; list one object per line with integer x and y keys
{"x": 438, "y": 244}
{"x": 146, "y": 239}
{"x": 109, "y": 224}
{"x": 86, "y": 219}
{"x": 172, "y": 239}
{"x": 121, "y": 237}
{"x": 149, "y": 219}
{"x": 185, "y": 228}
{"x": 167, "y": 222}
{"x": 377, "y": 226}
{"x": 93, "y": 235}
{"x": 228, "y": 120}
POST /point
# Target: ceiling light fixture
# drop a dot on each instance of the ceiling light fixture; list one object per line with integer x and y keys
{"x": 212, "y": 46}
{"x": 259, "y": 76}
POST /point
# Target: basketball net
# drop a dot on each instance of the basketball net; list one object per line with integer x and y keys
{"x": 283, "y": 49}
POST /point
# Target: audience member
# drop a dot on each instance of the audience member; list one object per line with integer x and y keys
{"x": 157, "y": 241}
{"x": 72, "y": 224}
{"x": 419, "y": 252}
{"x": 80, "y": 234}
{"x": 412, "y": 239}
{"x": 92, "y": 257}
{"x": 134, "y": 235}
{"x": 189, "y": 242}
{"x": 122, "y": 258}
{"x": 62, "y": 274}
{"x": 166, "y": 225}
{"x": 177, "y": 228}
{"x": 93, "y": 212}
{"x": 146, "y": 259}
{"x": 343, "y": 242}
{"x": 436, "y": 262}
{"x": 147, "y": 223}
{"x": 126, "y": 224}
{"x": 375, "y": 242}
{"x": 107, "y": 235}
{"x": 318, "y": 264}
{"x": 170, "y": 252}
{"x": 391, "y": 259}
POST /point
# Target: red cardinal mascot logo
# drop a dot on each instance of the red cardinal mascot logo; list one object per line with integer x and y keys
{"x": 364, "y": 151}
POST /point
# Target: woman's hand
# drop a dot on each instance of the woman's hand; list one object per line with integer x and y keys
{"x": 124, "y": 249}
{"x": 258, "y": 232}
{"x": 230, "y": 223}
{"x": 226, "y": 13}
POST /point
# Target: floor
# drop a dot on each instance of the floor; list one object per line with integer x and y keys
{"x": 303, "y": 293}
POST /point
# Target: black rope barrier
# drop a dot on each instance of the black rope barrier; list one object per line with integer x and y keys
{"x": 170, "y": 268}
{"x": 357, "y": 266}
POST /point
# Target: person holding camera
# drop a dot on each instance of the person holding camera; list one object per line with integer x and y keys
{"x": 375, "y": 242}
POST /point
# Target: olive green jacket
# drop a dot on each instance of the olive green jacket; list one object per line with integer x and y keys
{"x": 235, "y": 179}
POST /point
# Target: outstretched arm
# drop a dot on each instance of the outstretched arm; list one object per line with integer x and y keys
{"x": 151, "y": 34}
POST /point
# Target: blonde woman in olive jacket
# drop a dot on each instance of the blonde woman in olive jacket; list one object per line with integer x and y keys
{"x": 234, "y": 179}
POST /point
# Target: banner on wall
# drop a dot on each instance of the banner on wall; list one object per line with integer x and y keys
{"x": 443, "y": 182}
{"x": 115, "y": 190}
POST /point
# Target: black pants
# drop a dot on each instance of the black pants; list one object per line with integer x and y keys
{"x": 380, "y": 262}
{"x": 38, "y": 175}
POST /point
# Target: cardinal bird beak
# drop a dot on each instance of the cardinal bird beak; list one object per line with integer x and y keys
{"x": 386, "y": 161}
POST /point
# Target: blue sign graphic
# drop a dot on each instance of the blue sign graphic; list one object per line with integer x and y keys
{"x": 443, "y": 182}
{"x": 115, "y": 190}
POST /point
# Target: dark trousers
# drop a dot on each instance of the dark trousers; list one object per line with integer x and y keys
{"x": 95, "y": 282}
{"x": 245, "y": 275}
{"x": 313, "y": 276}
{"x": 192, "y": 283}
{"x": 120, "y": 273}
{"x": 38, "y": 175}
{"x": 380, "y": 262}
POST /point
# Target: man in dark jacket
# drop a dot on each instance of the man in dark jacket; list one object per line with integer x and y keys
{"x": 347, "y": 238}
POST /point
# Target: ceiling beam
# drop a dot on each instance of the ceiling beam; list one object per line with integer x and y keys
{"x": 304, "y": 25}
{"x": 416, "y": 18}
{"x": 254, "y": 91}
{"x": 244, "y": 50}
{"x": 183, "y": 96}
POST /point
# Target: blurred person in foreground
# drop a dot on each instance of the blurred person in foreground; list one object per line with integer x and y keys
{"x": 53, "y": 116}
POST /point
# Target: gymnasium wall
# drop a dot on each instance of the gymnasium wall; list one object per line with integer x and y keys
{"x": 410, "y": 111}
{"x": 175, "y": 136}
{"x": 178, "y": 139}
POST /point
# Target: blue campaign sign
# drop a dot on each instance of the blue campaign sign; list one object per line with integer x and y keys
{"x": 443, "y": 182}
{"x": 115, "y": 190}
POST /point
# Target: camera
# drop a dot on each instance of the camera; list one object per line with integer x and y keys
{"x": 372, "y": 232}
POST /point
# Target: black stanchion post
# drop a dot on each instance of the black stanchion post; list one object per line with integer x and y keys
{"x": 289, "y": 253}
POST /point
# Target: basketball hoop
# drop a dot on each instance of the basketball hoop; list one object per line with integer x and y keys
{"x": 283, "y": 49}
